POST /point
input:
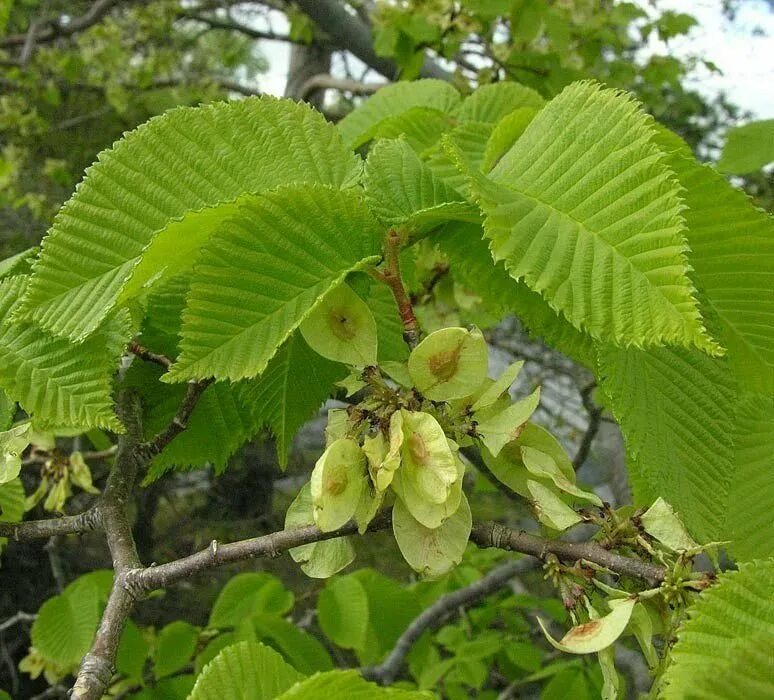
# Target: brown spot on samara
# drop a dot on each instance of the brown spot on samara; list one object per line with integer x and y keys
{"x": 418, "y": 448}
{"x": 582, "y": 632}
{"x": 444, "y": 364}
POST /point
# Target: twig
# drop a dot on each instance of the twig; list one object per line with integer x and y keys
{"x": 15, "y": 619}
{"x": 595, "y": 417}
{"x": 323, "y": 81}
{"x": 179, "y": 421}
{"x": 392, "y": 278}
{"x": 144, "y": 354}
{"x": 48, "y": 30}
{"x": 447, "y": 605}
{"x": 492, "y": 534}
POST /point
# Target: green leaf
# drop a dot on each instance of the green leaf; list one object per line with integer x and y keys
{"x": 420, "y": 126}
{"x": 21, "y": 263}
{"x": 583, "y": 209}
{"x": 391, "y": 607}
{"x": 58, "y": 383}
{"x": 132, "y": 653}
{"x": 246, "y": 594}
{"x": 151, "y": 202}
{"x": 223, "y": 419}
{"x": 12, "y": 499}
{"x": 748, "y": 148}
{"x": 65, "y": 626}
{"x": 346, "y": 684}
{"x": 360, "y": 125}
{"x": 318, "y": 559}
{"x": 472, "y": 266}
{"x": 175, "y": 645}
{"x": 751, "y": 498}
{"x": 402, "y": 190}
{"x": 551, "y": 510}
{"x": 245, "y": 671}
{"x": 392, "y": 346}
{"x": 7, "y": 410}
{"x": 724, "y": 648}
{"x": 506, "y": 132}
{"x": 469, "y": 140}
{"x": 675, "y": 408}
{"x": 342, "y": 611}
{"x": 177, "y": 688}
{"x": 732, "y": 245}
{"x": 490, "y": 103}
{"x": 432, "y": 552}
{"x": 284, "y": 398}
{"x": 264, "y": 272}
{"x": 301, "y": 649}
{"x": 342, "y": 328}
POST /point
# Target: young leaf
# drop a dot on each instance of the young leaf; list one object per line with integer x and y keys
{"x": 265, "y": 272}
{"x": 175, "y": 645}
{"x": 449, "y": 364}
{"x": 748, "y": 148}
{"x": 507, "y": 131}
{"x": 543, "y": 465}
{"x": 584, "y": 210}
{"x": 342, "y": 611}
{"x": 595, "y": 635}
{"x": 246, "y": 594}
{"x": 402, "y": 190}
{"x": 58, "y": 383}
{"x": 157, "y": 193}
{"x": 342, "y": 328}
{"x": 345, "y": 684}
{"x": 318, "y": 559}
{"x": 432, "y": 552}
{"x": 498, "y": 430}
{"x": 361, "y": 124}
{"x": 337, "y": 484}
{"x": 245, "y": 671}
{"x": 491, "y": 103}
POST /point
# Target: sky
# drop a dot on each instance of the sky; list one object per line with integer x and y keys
{"x": 746, "y": 60}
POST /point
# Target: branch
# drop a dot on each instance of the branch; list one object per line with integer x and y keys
{"x": 386, "y": 672}
{"x": 218, "y": 554}
{"x": 323, "y": 81}
{"x": 351, "y": 33}
{"x": 96, "y": 668}
{"x": 44, "y": 31}
{"x": 144, "y": 354}
{"x": 43, "y": 529}
{"x": 216, "y": 23}
{"x": 491, "y": 534}
{"x": 14, "y": 619}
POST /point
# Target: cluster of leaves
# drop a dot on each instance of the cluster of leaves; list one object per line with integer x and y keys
{"x": 549, "y": 45}
{"x": 581, "y": 215}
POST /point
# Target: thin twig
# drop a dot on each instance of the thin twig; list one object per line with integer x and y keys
{"x": 15, "y": 619}
{"x": 443, "y": 608}
{"x": 595, "y": 417}
{"x": 391, "y": 276}
{"x": 144, "y": 354}
{"x": 43, "y": 529}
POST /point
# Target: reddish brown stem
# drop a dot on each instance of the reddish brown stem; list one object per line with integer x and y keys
{"x": 392, "y": 278}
